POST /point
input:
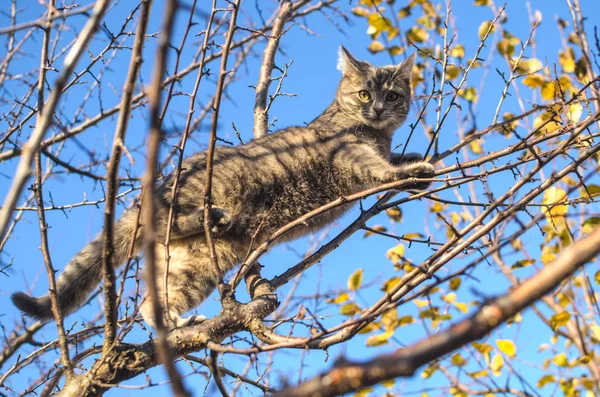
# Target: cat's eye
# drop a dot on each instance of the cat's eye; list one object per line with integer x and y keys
{"x": 364, "y": 95}
{"x": 391, "y": 97}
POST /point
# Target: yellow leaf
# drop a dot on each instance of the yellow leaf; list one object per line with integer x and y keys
{"x": 476, "y": 147}
{"x": 413, "y": 235}
{"x": 355, "y": 280}
{"x": 452, "y": 72}
{"x": 507, "y": 347}
{"x": 487, "y": 27}
{"x": 458, "y": 51}
{"x": 395, "y": 50}
{"x": 544, "y": 380}
{"x": 529, "y": 65}
{"x": 551, "y": 123}
{"x": 523, "y": 263}
{"x": 552, "y": 196}
{"x": 560, "y": 360}
{"x": 497, "y": 364}
{"x": 534, "y": 81}
{"x": 391, "y": 283}
{"x": 395, "y": 213}
{"x": 370, "y": 328}
{"x": 574, "y": 112}
{"x": 349, "y": 309}
{"x": 481, "y": 2}
{"x": 566, "y": 60}
{"x": 396, "y": 254}
{"x": 549, "y": 90}
{"x": 363, "y": 392}
{"x": 548, "y": 254}
{"x": 590, "y": 224}
{"x": 341, "y": 298}
{"x": 590, "y": 190}
{"x": 597, "y": 277}
{"x": 420, "y": 303}
{"x": 404, "y": 12}
{"x": 377, "y": 228}
{"x": 405, "y": 320}
{"x": 389, "y": 319}
{"x": 427, "y": 372}
{"x": 478, "y": 374}
{"x": 581, "y": 71}
{"x": 457, "y": 360}
{"x": 360, "y": 12}
{"x": 388, "y": 383}
{"x": 381, "y": 339}
{"x": 482, "y": 347}
{"x": 417, "y": 35}
{"x": 454, "y": 283}
{"x": 449, "y": 298}
{"x": 508, "y": 128}
{"x": 437, "y": 207}
{"x": 468, "y": 94}
{"x": 560, "y": 319}
{"x": 463, "y": 307}
{"x": 376, "y": 46}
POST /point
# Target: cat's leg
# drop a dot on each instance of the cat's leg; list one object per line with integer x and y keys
{"x": 398, "y": 159}
{"x": 189, "y": 221}
{"x": 186, "y": 290}
{"x": 406, "y": 160}
{"x": 191, "y": 278}
{"x": 365, "y": 164}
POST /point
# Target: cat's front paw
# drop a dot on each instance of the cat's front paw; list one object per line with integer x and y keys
{"x": 401, "y": 159}
{"x": 421, "y": 169}
{"x": 221, "y": 221}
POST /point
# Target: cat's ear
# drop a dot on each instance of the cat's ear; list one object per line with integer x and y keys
{"x": 347, "y": 64}
{"x": 405, "y": 68}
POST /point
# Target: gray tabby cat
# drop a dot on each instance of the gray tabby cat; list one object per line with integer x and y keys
{"x": 272, "y": 180}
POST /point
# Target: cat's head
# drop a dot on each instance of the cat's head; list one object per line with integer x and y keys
{"x": 378, "y": 96}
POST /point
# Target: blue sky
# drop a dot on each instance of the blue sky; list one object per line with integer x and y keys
{"x": 313, "y": 78}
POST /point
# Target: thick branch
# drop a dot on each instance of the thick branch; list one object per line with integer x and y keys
{"x": 350, "y": 377}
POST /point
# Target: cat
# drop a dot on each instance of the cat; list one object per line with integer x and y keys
{"x": 260, "y": 186}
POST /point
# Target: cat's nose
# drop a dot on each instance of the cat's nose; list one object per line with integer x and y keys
{"x": 378, "y": 110}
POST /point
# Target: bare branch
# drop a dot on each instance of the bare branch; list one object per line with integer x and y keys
{"x": 261, "y": 118}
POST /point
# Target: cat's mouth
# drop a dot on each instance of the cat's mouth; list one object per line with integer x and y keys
{"x": 378, "y": 121}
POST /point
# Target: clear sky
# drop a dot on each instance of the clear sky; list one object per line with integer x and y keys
{"x": 313, "y": 79}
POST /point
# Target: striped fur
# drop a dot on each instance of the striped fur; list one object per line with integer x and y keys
{"x": 268, "y": 182}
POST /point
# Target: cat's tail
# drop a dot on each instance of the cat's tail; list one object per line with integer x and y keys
{"x": 83, "y": 273}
